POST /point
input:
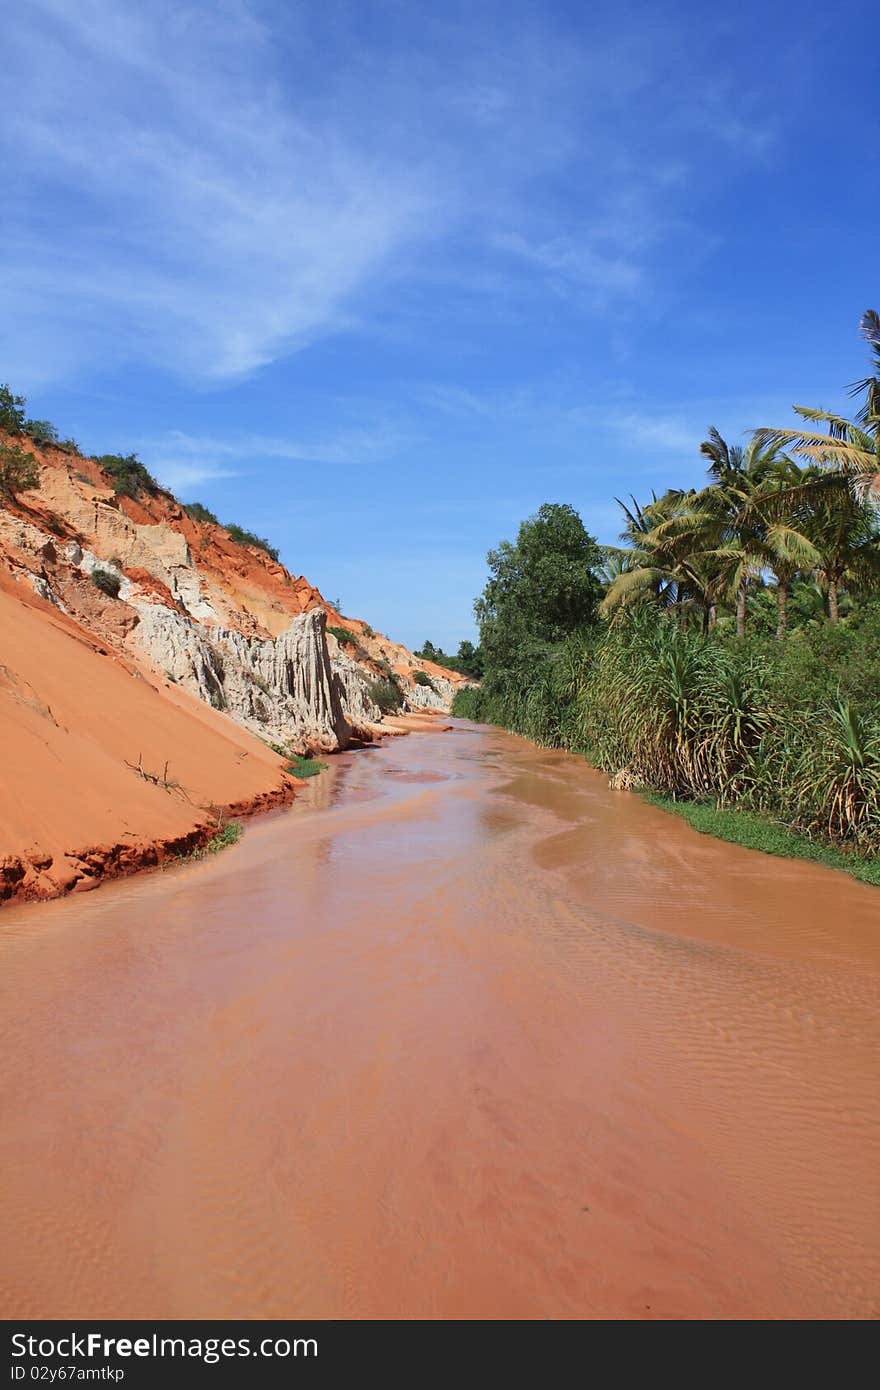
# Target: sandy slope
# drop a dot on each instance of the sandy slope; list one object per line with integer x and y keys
{"x": 80, "y": 703}
{"x": 72, "y": 715}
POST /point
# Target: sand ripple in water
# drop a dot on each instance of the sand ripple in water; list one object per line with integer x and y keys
{"x": 476, "y": 1038}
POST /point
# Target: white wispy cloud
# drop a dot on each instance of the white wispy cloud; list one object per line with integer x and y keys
{"x": 207, "y": 187}
{"x": 571, "y": 260}
{"x": 183, "y": 461}
{"x": 209, "y": 229}
{"x": 548, "y": 407}
{"x": 182, "y": 476}
{"x": 649, "y": 431}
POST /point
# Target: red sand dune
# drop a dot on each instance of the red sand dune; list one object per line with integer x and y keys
{"x": 72, "y": 717}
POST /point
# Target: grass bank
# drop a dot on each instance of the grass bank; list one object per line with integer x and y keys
{"x": 227, "y": 835}
{"x": 304, "y": 767}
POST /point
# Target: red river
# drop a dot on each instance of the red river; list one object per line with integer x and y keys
{"x": 464, "y": 1034}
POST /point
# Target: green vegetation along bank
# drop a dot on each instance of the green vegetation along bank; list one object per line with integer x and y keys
{"x": 727, "y": 655}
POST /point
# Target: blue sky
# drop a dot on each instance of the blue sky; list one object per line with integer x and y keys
{"x": 378, "y": 279}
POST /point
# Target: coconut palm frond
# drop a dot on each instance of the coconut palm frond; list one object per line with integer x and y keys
{"x": 838, "y": 426}
{"x": 639, "y": 580}
{"x": 866, "y": 487}
{"x": 615, "y": 561}
{"x": 633, "y": 516}
{"x": 791, "y": 546}
{"x": 857, "y": 458}
{"x": 869, "y": 327}
{"x": 812, "y": 485}
{"x": 684, "y": 524}
{"x": 869, "y": 413}
{"x": 723, "y": 457}
{"x": 851, "y": 460}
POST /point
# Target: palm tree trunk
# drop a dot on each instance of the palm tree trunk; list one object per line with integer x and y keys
{"x": 741, "y": 610}
{"x": 781, "y": 608}
{"x": 713, "y": 615}
{"x": 833, "y": 608}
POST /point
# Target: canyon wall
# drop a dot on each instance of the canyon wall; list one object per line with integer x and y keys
{"x": 223, "y": 620}
{"x": 160, "y": 614}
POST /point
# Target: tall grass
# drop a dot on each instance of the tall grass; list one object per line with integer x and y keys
{"x": 702, "y": 719}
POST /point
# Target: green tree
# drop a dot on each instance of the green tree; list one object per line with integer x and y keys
{"x": 129, "y": 477}
{"x": 42, "y": 431}
{"x": 241, "y": 536}
{"x": 18, "y": 471}
{"x": 11, "y": 411}
{"x": 469, "y": 660}
{"x": 541, "y": 588}
{"x": 198, "y": 512}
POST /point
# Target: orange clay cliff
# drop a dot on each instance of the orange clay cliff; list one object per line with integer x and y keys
{"x": 149, "y": 663}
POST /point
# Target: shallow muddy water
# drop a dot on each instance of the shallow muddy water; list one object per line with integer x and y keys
{"x": 464, "y": 1034}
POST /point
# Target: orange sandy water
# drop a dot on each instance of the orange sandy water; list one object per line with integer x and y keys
{"x": 465, "y": 1034}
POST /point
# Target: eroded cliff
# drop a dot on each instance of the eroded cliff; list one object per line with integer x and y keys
{"x": 197, "y": 629}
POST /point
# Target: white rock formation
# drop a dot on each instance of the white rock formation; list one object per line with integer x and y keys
{"x": 437, "y": 695}
{"x": 359, "y": 706}
{"x": 285, "y": 690}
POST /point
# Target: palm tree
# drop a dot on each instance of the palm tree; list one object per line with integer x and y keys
{"x": 817, "y": 525}
{"x": 843, "y": 533}
{"x": 761, "y": 511}
{"x": 655, "y": 565}
{"x": 735, "y": 531}
{"x": 786, "y": 546}
{"x": 851, "y": 447}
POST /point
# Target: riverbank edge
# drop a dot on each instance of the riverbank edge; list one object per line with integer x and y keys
{"x": 738, "y": 827}
{"x": 753, "y": 831}
{"x": 93, "y": 866}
